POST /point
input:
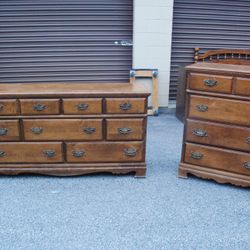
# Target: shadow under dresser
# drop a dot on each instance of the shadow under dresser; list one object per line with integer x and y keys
{"x": 73, "y": 129}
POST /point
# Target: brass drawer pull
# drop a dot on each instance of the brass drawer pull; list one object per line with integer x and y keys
{"x": 199, "y": 132}
{"x": 89, "y": 130}
{"x": 1, "y": 107}
{"x": 2, "y": 153}
{"x": 202, "y": 108}
{"x": 49, "y": 153}
{"x": 124, "y": 131}
{"x": 125, "y": 106}
{"x": 131, "y": 152}
{"x": 39, "y": 107}
{"x": 247, "y": 165}
{"x": 82, "y": 106}
{"x": 210, "y": 83}
{"x": 3, "y": 131}
{"x": 196, "y": 155}
{"x": 36, "y": 130}
{"x": 248, "y": 140}
{"x": 78, "y": 153}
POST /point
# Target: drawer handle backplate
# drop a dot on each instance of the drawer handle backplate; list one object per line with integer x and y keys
{"x": 82, "y": 106}
{"x": 202, "y": 108}
{"x": 130, "y": 152}
{"x": 3, "y": 131}
{"x": 39, "y": 107}
{"x": 49, "y": 153}
{"x": 36, "y": 130}
{"x": 210, "y": 83}
{"x": 199, "y": 132}
{"x": 124, "y": 131}
{"x": 89, "y": 130}
{"x": 2, "y": 153}
{"x": 78, "y": 153}
{"x": 247, "y": 165}
{"x": 196, "y": 155}
{"x": 125, "y": 106}
{"x": 248, "y": 140}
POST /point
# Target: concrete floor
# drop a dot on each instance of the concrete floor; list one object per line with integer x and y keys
{"x": 121, "y": 212}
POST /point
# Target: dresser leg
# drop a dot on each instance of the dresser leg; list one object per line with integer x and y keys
{"x": 182, "y": 173}
{"x": 140, "y": 173}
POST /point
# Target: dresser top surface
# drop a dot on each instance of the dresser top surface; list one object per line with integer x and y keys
{"x": 72, "y": 89}
{"x": 219, "y": 67}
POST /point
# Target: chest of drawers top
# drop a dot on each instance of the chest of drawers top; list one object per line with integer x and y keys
{"x": 69, "y": 89}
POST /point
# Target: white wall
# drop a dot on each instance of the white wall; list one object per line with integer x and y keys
{"x": 152, "y": 40}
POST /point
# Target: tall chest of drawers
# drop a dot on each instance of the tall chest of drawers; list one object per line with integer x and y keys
{"x": 73, "y": 129}
{"x": 216, "y": 143}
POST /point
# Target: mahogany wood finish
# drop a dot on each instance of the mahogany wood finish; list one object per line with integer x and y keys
{"x": 8, "y": 107}
{"x": 134, "y": 129}
{"x": 82, "y": 106}
{"x": 73, "y": 129}
{"x": 216, "y": 142}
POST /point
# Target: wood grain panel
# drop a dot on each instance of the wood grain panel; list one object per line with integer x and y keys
{"x": 39, "y": 106}
{"x": 211, "y": 157}
{"x": 220, "y": 109}
{"x": 82, "y": 106}
{"x": 105, "y": 152}
{"x": 24, "y": 152}
{"x": 211, "y": 83}
{"x": 62, "y": 129}
{"x": 125, "y": 105}
{"x": 8, "y": 107}
{"x": 9, "y": 130}
{"x": 125, "y": 129}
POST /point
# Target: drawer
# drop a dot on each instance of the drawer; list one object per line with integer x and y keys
{"x": 125, "y": 129}
{"x": 211, "y": 83}
{"x": 24, "y": 152}
{"x": 8, "y": 107}
{"x": 105, "y": 152}
{"x": 9, "y": 130}
{"x": 39, "y": 106}
{"x": 216, "y": 134}
{"x": 82, "y": 106}
{"x": 216, "y": 158}
{"x": 62, "y": 129}
{"x": 219, "y": 109}
{"x": 125, "y": 105}
{"x": 242, "y": 86}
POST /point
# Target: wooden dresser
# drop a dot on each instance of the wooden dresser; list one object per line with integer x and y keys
{"x": 216, "y": 142}
{"x": 73, "y": 129}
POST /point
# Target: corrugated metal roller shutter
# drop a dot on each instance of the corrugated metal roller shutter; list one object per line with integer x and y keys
{"x": 207, "y": 24}
{"x": 68, "y": 40}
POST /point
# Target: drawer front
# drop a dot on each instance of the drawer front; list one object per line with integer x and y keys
{"x": 125, "y": 129}
{"x": 9, "y": 130}
{"x": 216, "y": 158}
{"x": 8, "y": 107}
{"x": 216, "y": 134}
{"x": 62, "y": 129}
{"x": 125, "y": 105}
{"x": 219, "y": 109}
{"x": 242, "y": 86}
{"x": 23, "y": 152}
{"x": 39, "y": 106}
{"x": 211, "y": 83}
{"x": 105, "y": 152}
{"x": 82, "y": 106}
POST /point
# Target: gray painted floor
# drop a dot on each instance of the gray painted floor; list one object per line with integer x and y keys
{"x": 121, "y": 212}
